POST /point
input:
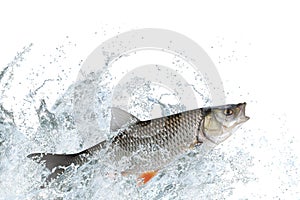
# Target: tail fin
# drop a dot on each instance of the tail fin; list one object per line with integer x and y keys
{"x": 57, "y": 163}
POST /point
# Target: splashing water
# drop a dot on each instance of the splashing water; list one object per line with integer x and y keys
{"x": 33, "y": 127}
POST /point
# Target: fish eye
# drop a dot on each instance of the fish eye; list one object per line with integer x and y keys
{"x": 228, "y": 112}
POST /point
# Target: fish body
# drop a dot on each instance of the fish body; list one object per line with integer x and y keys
{"x": 144, "y": 147}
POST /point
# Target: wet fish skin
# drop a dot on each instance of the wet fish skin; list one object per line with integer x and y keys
{"x": 143, "y": 141}
{"x": 149, "y": 145}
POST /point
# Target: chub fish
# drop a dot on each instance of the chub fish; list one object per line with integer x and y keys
{"x": 145, "y": 147}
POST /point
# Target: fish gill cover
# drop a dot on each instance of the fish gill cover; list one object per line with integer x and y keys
{"x": 43, "y": 111}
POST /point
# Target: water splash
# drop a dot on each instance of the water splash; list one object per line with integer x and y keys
{"x": 214, "y": 175}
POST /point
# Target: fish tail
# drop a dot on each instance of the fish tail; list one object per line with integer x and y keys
{"x": 57, "y": 163}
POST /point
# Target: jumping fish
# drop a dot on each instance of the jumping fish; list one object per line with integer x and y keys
{"x": 144, "y": 147}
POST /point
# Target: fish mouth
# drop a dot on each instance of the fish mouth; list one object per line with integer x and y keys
{"x": 242, "y": 107}
{"x": 242, "y": 116}
{"x": 246, "y": 118}
{"x": 241, "y": 121}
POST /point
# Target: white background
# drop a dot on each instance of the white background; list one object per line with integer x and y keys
{"x": 263, "y": 35}
{"x": 255, "y": 45}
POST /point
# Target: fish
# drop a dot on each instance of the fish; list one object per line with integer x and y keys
{"x": 145, "y": 147}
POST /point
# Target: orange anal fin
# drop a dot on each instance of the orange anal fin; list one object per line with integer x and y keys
{"x": 146, "y": 176}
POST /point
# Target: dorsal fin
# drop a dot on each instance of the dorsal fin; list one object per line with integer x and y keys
{"x": 120, "y": 118}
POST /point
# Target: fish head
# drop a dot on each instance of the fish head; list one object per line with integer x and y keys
{"x": 221, "y": 121}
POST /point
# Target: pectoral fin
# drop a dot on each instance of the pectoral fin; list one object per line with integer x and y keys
{"x": 146, "y": 176}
